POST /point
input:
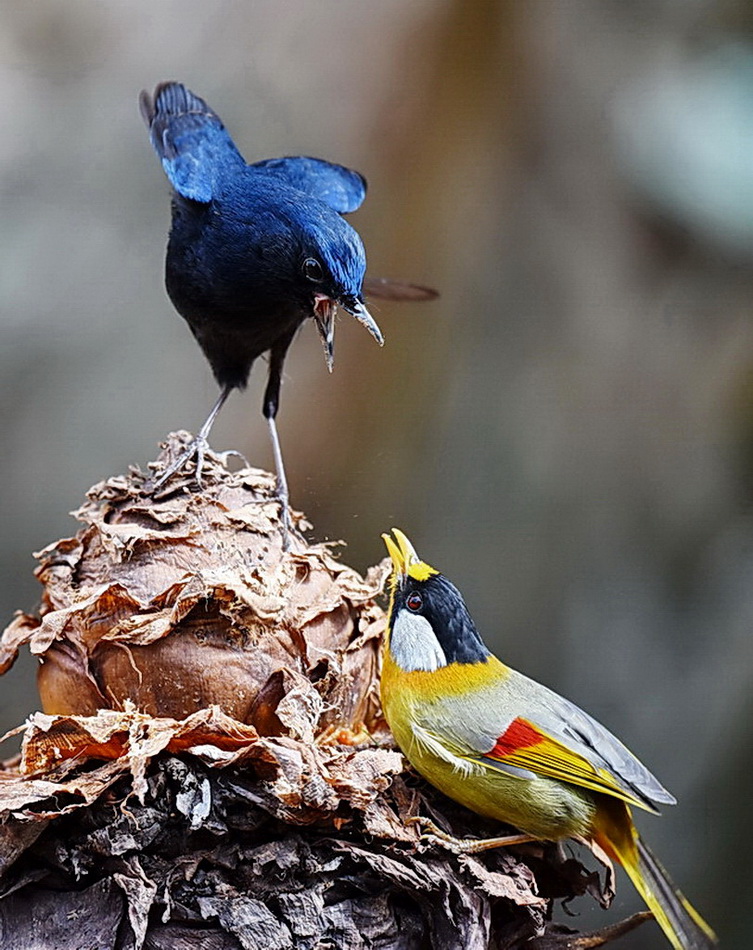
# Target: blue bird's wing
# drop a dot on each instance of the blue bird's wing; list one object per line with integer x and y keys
{"x": 339, "y": 187}
{"x": 190, "y": 140}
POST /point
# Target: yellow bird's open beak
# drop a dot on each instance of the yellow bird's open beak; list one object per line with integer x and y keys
{"x": 405, "y": 561}
{"x": 403, "y": 553}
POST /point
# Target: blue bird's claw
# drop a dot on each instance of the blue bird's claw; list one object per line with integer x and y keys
{"x": 197, "y": 449}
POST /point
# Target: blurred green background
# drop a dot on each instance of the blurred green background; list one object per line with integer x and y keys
{"x": 567, "y": 432}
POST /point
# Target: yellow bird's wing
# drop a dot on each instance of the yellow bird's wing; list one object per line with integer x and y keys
{"x": 545, "y": 734}
{"x": 524, "y": 746}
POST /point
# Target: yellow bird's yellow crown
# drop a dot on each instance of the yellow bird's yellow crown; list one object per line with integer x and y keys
{"x": 405, "y": 561}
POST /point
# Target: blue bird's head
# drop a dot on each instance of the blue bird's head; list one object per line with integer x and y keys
{"x": 333, "y": 265}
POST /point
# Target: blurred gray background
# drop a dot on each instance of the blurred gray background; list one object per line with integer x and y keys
{"x": 567, "y": 432}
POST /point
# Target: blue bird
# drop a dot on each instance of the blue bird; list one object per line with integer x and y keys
{"x": 254, "y": 250}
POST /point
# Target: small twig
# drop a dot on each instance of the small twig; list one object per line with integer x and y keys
{"x": 575, "y": 941}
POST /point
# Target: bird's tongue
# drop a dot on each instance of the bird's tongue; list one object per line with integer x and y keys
{"x": 325, "y": 309}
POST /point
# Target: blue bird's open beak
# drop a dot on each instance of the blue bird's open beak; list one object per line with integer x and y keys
{"x": 325, "y": 309}
{"x": 359, "y": 311}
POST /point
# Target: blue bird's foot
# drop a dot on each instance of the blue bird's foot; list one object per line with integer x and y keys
{"x": 197, "y": 450}
{"x": 199, "y": 446}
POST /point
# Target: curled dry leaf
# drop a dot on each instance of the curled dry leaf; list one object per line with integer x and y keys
{"x": 187, "y": 600}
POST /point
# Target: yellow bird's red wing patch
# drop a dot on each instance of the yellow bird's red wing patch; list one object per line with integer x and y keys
{"x": 524, "y": 746}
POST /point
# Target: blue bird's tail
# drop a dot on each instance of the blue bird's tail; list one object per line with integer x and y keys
{"x": 190, "y": 140}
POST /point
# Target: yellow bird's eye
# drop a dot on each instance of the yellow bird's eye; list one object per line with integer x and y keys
{"x": 414, "y": 601}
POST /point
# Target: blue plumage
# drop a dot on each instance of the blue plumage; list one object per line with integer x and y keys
{"x": 339, "y": 187}
{"x": 195, "y": 150}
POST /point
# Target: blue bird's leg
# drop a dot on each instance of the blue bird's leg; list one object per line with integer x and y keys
{"x": 198, "y": 447}
{"x": 282, "y": 484}
{"x": 271, "y": 405}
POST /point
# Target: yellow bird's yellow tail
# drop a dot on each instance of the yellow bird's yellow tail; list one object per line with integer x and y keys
{"x": 680, "y": 921}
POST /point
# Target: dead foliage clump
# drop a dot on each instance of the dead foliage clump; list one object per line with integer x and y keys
{"x": 211, "y": 770}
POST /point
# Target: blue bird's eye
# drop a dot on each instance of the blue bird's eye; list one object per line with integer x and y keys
{"x": 414, "y": 602}
{"x": 313, "y": 270}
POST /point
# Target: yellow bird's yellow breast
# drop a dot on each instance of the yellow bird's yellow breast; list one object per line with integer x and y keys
{"x": 435, "y": 717}
{"x": 418, "y": 696}
{"x": 455, "y": 679}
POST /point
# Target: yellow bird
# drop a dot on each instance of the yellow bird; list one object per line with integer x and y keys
{"x": 511, "y": 749}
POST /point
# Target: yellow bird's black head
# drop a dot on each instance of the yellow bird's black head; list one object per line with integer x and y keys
{"x": 429, "y": 624}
